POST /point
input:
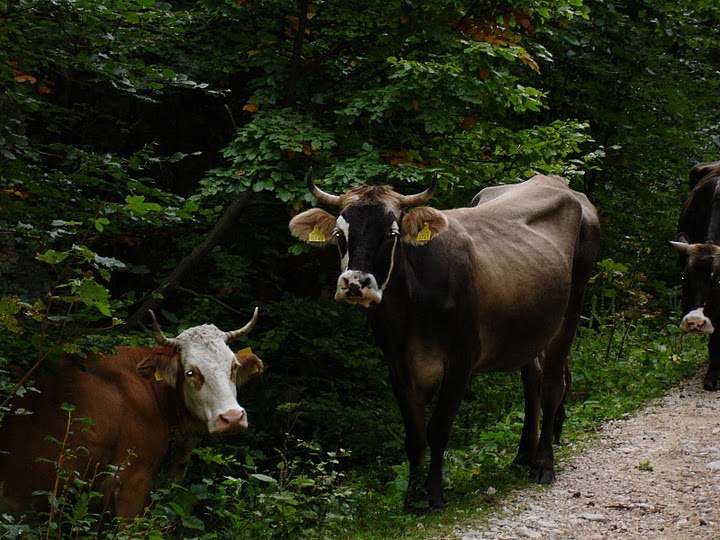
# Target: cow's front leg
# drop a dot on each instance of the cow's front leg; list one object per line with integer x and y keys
{"x": 413, "y": 415}
{"x": 439, "y": 428}
{"x": 712, "y": 377}
{"x": 131, "y": 494}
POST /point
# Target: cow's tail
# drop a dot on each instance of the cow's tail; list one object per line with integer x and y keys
{"x": 560, "y": 415}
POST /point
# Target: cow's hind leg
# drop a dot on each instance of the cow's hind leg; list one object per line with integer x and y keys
{"x": 532, "y": 386}
{"x": 542, "y": 469}
{"x": 555, "y": 375}
{"x": 712, "y": 377}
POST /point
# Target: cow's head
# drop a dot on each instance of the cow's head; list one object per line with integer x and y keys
{"x": 701, "y": 285}
{"x": 372, "y": 222}
{"x": 199, "y": 363}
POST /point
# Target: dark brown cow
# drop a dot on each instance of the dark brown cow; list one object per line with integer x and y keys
{"x": 698, "y": 236}
{"x": 137, "y": 399}
{"x": 495, "y": 287}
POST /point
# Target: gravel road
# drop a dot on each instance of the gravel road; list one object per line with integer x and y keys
{"x": 654, "y": 476}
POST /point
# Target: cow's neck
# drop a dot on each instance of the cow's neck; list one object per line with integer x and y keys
{"x": 172, "y": 404}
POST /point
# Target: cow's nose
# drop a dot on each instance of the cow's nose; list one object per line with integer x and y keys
{"x": 233, "y": 419}
{"x": 354, "y": 289}
{"x": 696, "y": 325}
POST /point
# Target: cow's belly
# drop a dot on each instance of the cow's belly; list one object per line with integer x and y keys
{"x": 511, "y": 344}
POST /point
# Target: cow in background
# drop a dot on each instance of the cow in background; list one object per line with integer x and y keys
{"x": 701, "y": 170}
{"x": 138, "y": 399}
{"x": 495, "y": 287}
{"x": 698, "y": 243}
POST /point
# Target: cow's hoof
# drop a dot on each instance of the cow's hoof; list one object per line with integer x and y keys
{"x": 711, "y": 384}
{"x": 436, "y": 504}
{"x": 542, "y": 475}
{"x": 417, "y": 507}
{"x": 522, "y": 460}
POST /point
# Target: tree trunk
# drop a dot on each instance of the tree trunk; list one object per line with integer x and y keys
{"x": 155, "y": 299}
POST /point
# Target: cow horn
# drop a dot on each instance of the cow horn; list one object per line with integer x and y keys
{"x": 420, "y": 198}
{"x": 159, "y": 336}
{"x": 319, "y": 194}
{"x": 244, "y": 330}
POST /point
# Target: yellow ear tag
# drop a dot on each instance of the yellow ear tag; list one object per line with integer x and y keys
{"x": 158, "y": 375}
{"x": 253, "y": 369}
{"x": 424, "y": 235}
{"x": 316, "y": 235}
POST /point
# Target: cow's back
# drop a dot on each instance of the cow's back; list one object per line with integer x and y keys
{"x": 525, "y": 238}
{"x": 125, "y": 418}
{"x": 702, "y": 170}
{"x": 700, "y": 215}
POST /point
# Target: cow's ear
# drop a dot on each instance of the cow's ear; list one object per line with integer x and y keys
{"x": 422, "y": 225}
{"x": 682, "y": 237}
{"x": 247, "y": 365}
{"x": 314, "y": 226}
{"x": 161, "y": 365}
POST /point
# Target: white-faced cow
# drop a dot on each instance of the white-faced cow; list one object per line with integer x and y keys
{"x": 494, "y": 287}
{"x": 698, "y": 242}
{"x": 137, "y": 399}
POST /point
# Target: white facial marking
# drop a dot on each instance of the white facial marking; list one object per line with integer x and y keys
{"x": 697, "y": 322}
{"x": 344, "y": 227}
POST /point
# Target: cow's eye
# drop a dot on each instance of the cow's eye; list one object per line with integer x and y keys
{"x": 393, "y": 233}
{"x": 189, "y": 373}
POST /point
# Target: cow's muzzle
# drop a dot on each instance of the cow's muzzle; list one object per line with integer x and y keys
{"x": 357, "y": 287}
{"x": 231, "y": 420}
{"x": 696, "y": 322}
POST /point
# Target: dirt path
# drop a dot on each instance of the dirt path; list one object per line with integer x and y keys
{"x": 652, "y": 476}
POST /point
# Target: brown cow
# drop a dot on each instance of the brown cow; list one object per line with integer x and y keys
{"x": 495, "y": 287}
{"x": 137, "y": 399}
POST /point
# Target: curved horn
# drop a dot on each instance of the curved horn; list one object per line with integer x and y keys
{"x": 320, "y": 195}
{"x": 420, "y": 198}
{"x": 159, "y": 336}
{"x": 244, "y": 330}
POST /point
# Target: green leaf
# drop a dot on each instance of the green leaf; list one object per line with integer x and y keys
{"x": 137, "y": 205}
{"x": 52, "y": 257}
{"x": 264, "y": 478}
{"x": 92, "y": 294}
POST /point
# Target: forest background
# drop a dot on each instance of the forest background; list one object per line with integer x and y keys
{"x": 152, "y": 154}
